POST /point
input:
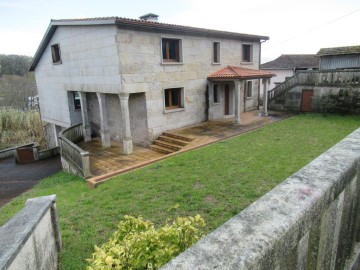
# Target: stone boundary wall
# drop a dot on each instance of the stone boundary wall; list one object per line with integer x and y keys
{"x": 310, "y": 221}
{"x": 7, "y": 153}
{"x": 31, "y": 239}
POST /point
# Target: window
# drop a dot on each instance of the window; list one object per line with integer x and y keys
{"x": 55, "y": 53}
{"x": 216, "y": 52}
{"x": 76, "y": 98}
{"x": 171, "y": 50}
{"x": 249, "y": 89}
{"x": 216, "y": 93}
{"x": 173, "y": 98}
{"x": 247, "y": 53}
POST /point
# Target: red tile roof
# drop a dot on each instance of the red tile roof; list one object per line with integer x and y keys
{"x": 232, "y": 72}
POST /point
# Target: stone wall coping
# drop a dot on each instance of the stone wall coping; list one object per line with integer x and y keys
{"x": 15, "y": 233}
{"x": 273, "y": 225}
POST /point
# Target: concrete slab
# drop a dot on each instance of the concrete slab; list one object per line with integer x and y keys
{"x": 16, "y": 179}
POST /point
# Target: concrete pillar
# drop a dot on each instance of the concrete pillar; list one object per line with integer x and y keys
{"x": 237, "y": 101}
{"x": 104, "y": 128}
{"x": 211, "y": 100}
{"x": 125, "y": 122}
{"x": 265, "y": 96}
{"x": 85, "y": 117}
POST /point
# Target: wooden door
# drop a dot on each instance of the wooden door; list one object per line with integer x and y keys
{"x": 227, "y": 99}
{"x": 306, "y": 100}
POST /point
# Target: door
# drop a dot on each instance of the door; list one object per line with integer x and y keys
{"x": 306, "y": 100}
{"x": 227, "y": 99}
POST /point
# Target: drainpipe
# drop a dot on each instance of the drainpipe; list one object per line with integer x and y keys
{"x": 259, "y": 82}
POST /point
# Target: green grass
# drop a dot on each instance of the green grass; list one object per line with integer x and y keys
{"x": 217, "y": 182}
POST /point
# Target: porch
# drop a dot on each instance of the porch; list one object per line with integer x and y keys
{"x": 108, "y": 162}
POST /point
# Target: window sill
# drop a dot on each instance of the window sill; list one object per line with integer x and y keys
{"x": 174, "y": 110}
{"x": 216, "y": 103}
{"x": 171, "y": 63}
{"x": 57, "y": 63}
{"x": 247, "y": 98}
{"x": 247, "y": 63}
{"x": 216, "y": 63}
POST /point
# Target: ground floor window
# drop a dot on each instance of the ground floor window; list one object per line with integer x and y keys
{"x": 76, "y": 99}
{"x": 216, "y": 93}
{"x": 249, "y": 89}
{"x": 173, "y": 98}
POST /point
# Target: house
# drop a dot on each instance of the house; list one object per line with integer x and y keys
{"x": 130, "y": 80}
{"x": 287, "y": 65}
{"x": 339, "y": 73}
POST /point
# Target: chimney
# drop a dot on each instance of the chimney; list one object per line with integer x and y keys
{"x": 149, "y": 17}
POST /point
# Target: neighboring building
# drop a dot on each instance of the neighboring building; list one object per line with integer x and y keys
{"x": 339, "y": 58}
{"x": 287, "y": 65}
{"x": 339, "y": 71}
{"x": 130, "y": 80}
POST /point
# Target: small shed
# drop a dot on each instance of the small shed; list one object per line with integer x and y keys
{"x": 339, "y": 58}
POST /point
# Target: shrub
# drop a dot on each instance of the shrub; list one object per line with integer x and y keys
{"x": 19, "y": 127}
{"x": 345, "y": 102}
{"x": 137, "y": 244}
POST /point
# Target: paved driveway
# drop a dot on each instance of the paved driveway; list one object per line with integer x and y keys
{"x": 16, "y": 179}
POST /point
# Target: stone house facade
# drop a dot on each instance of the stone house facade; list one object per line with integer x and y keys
{"x": 130, "y": 80}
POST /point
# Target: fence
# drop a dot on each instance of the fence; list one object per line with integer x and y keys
{"x": 310, "y": 221}
{"x": 31, "y": 239}
{"x": 73, "y": 158}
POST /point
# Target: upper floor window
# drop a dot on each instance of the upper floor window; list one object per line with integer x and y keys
{"x": 216, "y": 52}
{"x": 55, "y": 53}
{"x": 171, "y": 50}
{"x": 247, "y": 53}
{"x": 248, "y": 86}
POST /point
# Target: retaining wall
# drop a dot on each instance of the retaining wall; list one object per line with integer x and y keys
{"x": 31, "y": 239}
{"x": 310, "y": 221}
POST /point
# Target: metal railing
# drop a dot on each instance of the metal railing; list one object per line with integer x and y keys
{"x": 77, "y": 158}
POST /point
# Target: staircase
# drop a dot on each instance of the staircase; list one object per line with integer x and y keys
{"x": 321, "y": 78}
{"x": 168, "y": 143}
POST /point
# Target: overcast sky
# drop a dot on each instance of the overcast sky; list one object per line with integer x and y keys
{"x": 294, "y": 27}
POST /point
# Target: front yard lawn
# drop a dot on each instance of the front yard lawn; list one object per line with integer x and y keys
{"x": 217, "y": 182}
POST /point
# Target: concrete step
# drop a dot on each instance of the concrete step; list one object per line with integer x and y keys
{"x": 172, "y": 140}
{"x": 179, "y": 137}
{"x": 161, "y": 149}
{"x": 169, "y": 145}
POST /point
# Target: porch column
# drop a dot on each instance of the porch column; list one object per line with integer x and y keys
{"x": 237, "y": 101}
{"x": 265, "y": 95}
{"x": 104, "y": 128}
{"x": 125, "y": 122}
{"x": 85, "y": 117}
{"x": 211, "y": 100}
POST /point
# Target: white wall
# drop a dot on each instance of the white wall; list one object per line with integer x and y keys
{"x": 280, "y": 77}
{"x": 89, "y": 63}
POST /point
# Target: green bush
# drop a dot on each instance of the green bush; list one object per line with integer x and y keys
{"x": 137, "y": 244}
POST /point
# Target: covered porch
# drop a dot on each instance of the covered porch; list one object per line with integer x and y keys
{"x": 234, "y": 90}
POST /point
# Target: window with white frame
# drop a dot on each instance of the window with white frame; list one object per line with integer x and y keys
{"x": 171, "y": 50}
{"x": 216, "y": 52}
{"x": 247, "y": 53}
{"x": 174, "y": 98}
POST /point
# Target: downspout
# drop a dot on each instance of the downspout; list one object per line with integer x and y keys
{"x": 259, "y": 83}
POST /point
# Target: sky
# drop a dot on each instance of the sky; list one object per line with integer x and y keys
{"x": 294, "y": 27}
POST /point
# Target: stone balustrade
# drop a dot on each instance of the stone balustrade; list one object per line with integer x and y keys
{"x": 310, "y": 221}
